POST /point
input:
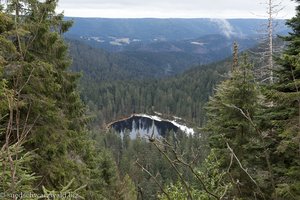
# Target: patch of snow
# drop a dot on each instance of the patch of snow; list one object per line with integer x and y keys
{"x": 160, "y": 39}
{"x": 115, "y": 43}
{"x": 153, "y": 117}
{"x": 157, "y": 113}
{"x": 97, "y": 39}
{"x": 198, "y": 43}
{"x": 119, "y": 41}
{"x": 177, "y": 118}
{"x": 183, "y": 128}
{"x": 136, "y": 40}
{"x": 123, "y": 40}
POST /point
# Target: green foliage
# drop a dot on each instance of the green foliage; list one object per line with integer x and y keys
{"x": 41, "y": 108}
{"x": 127, "y": 152}
{"x": 15, "y": 161}
{"x": 64, "y": 193}
{"x": 238, "y": 92}
{"x": 16, "y": 175}
{"x": 177, "y": 191}
{"x": 263, "y": 133}
{"x": 183, "y": 96}
{"x": 128, "y": 189}
{"x": 284, "y": 115}
{"x": 3, "y": 93}
{"x": 213, "y": 178}
{"x": 231, "y": 113}
{"x": 108, "y": 171}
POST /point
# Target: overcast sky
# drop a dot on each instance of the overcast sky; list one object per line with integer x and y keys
{"x": 172, "y": 8}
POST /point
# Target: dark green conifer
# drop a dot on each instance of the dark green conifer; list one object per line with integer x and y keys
{"x": 46, "y": 113}
{"x": 284, "y": 115}
{"x": 235, "y": 101}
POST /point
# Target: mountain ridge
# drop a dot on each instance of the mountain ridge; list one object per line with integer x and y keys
{"x": 171, "y": 29}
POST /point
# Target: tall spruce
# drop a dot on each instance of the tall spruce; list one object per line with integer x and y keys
{"x": 45, "y": 114}
{"x": 235, "y": 100}
{"x": 285, "y": 115}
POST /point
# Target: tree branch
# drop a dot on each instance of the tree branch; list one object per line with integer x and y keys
{"x": 190, "y": 197}
{"x": 154, "y": 178}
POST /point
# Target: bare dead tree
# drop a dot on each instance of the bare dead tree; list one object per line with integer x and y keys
{"x": 268, "y": 47}
{"x": 274, "y": 8}
{"x": 270, "y": 38}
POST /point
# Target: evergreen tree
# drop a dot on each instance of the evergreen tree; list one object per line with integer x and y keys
{"x": 15, "y": 176}
{"x": 44, "y": 112}
{"x": 284, "y": 115}
{"x": 128, "y": 191}
{"x": 235, "y": 100}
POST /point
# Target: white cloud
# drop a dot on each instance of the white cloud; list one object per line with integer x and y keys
{"x": 171, "y": 8}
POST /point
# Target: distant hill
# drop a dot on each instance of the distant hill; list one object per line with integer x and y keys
{"x": 100, "y": 65}
{"x": 149, "y": 30}
{"x": 153, "y": 60}
{"x": 154, "y": 48}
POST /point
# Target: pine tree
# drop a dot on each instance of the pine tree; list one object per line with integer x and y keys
{"x": 16, "y": 176}
{"x": 128, "y": 191}
{"x": 46, "y": 114}
{"x": 285, "y": 115}
{"x": 235, "y": 100}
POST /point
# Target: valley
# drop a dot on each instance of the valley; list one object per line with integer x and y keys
{"x": 149, "y": 108}
{"x": 175, "y": 77}
{"x": 123, "y": 75}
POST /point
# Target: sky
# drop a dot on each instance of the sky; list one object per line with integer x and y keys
{"x": 172, "y": 8}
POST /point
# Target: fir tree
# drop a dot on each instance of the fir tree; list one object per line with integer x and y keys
{"x": 284, "y": 115}
{"x": 235, "y": 100}
{"x": 46, "y": 114}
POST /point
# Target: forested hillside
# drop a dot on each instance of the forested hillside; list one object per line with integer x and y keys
{"x": 154, "y": 60}
{"x": 244, "y": 110}
{"x": 113, "y": 92}
{"x": 101, "y": 65}
{"x": 183, "y": 96}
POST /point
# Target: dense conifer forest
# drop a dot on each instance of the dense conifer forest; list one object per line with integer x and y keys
{"x": 57, "y": 96}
